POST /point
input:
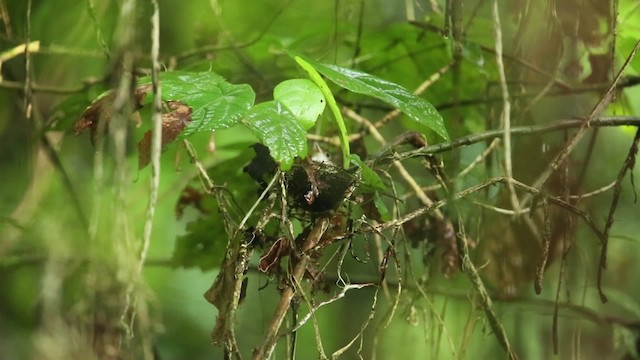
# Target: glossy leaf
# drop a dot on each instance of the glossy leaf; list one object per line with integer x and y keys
{"x": 416, "y": 108}
{"x": 277, "y": 128}
{"x": 337, "y": 115}
{"x": 303, "y": 98}
{"x": 216, "y": 103}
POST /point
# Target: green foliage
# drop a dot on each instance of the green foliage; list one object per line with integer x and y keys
{"x": 303, "y": 98}
{"x": 418, "y": 109}
{"x": 278, "y": 128}
{"x": 281, "y": 124}
{"x": 337, "y": 115}
{"x": 216, "y": 103}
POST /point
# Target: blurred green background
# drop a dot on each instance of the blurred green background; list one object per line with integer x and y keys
{"x": 59, "y": 288}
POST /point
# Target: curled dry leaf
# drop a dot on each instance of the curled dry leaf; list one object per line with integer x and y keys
{"x": 270, "y": 261}
{"x": 173, "y": 123}
{"x": 101, "y": 110}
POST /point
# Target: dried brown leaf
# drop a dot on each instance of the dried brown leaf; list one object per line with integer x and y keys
{"x": 101, "y": 110}
{"x": 173, "y": 123}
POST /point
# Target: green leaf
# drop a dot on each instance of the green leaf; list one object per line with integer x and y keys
{"x": 277, "y": 128}
{"x": 417, "y": 108}
{"x": 216, "y": 103}
{"x": 337, "y": 115}
{"x": 369, "y": 177}
{"x": 385, "y": 215}
{"x": 303, "y": 98}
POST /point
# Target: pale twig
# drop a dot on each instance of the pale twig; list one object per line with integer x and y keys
{"x": 401, "y": 169}
{"x": 593, "y": 193}
{"x": 28, "y": 71}
{"x": 312, "y": 313}
{"x": 628, "y": 165}
{"x": 154, "y": 181}
{"x": 595, "y": 113}
{"x": 473, "y": 189}
{"x": 501, "y": 210}
{"x": 156, "y": 134}
{"x": 336, "y": 297}
{"x": 506, "y": 107}
{"x": 480, "y": 158}
{"x": 256, "y": 203}
{"x": 515, "y": 131}
{"x": 336, "y": 354}
{"x": 22, "y": 49}
{"x": 269, "y": 340}
{"x": 334, "y": 141}
{"x": 487, "y": 303}
{"x": 118, "y": 130}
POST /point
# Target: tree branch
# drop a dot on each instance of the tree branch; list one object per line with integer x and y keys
{"x": 386, "y": 155}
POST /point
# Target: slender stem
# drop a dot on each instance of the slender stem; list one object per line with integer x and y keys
{"x": 270, "y": 338}
{"x": 515, "y": 131}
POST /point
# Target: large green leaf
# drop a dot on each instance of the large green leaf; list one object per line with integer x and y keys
{"x": 277, "y": 128}
{"x": 303, "y": 98}
{"x": 417, "y": 108}
{"x": 216, "y": 103}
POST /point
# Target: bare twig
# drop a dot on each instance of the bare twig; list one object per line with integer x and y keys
{"x": 487, "y": 303}
{"x": 593, "y": 193}
{"x": 312, "y": 313}
{"x": 473, "y": 189}
{"x": 22, "y": 49}
{"x": 156, "y": 135}
{"x": 424, "y": 199}
{"x": 595, "y": 113}
{"x": 270, "y": 338}
{"x": 480, "y": 158}
{"x": 571, "y": 144}
{"x": 506, "y": 107}
{"x": 628, "y": 165}
{"x": 545, "y": 247}
{"x": 515, "y": 131}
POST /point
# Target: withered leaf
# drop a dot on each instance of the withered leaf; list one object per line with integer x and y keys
{"x": 270, "y": 261}
{"x": 172, "y": 125}
{"x": 101, "y": 110}
{"x": 226, "y": 292}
